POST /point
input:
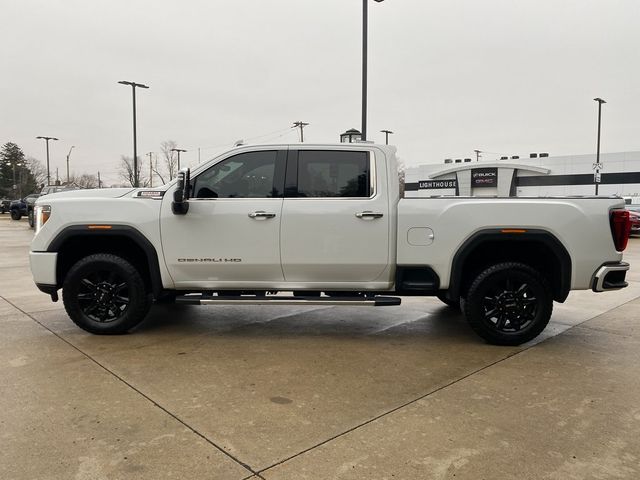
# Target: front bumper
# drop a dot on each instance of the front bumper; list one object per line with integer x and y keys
{"x": 43, "y": 267}
{"x": 610, "y": 276}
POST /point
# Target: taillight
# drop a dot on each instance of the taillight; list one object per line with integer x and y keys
{"x": 620, "y": 228}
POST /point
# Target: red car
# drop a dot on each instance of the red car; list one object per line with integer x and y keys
{"x": 634, "y": 216}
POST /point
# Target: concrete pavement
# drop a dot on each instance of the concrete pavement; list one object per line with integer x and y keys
{"x": 331, "y": 392}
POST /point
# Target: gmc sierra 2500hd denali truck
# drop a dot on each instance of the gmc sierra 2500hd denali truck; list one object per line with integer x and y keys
{"x": 326, "y": 223}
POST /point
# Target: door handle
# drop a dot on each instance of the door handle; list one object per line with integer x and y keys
{"x": 261, "y": 214}
{"x": 369, "y": 214}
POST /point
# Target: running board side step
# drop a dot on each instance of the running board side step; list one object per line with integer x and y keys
{"x": 197, "y": 299}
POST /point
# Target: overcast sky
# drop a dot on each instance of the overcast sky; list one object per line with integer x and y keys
{"x": 448, "y": 76}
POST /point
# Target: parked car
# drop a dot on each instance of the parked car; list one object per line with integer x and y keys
{"x": 5, "y": 205}
{"x": 316, "y": 219}
{"x": 634, "y": 216}
{"x": 18, "y": 208}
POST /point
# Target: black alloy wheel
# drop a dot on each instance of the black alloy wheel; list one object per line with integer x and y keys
{"x": 509, "y": 304}
{"x": 105, "y": 294}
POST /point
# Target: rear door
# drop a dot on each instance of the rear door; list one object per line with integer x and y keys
{"x": 335, "y": 217}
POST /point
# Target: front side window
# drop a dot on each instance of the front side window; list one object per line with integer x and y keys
{"x": 246, "y": 175}
{"x": 326, "y": 173}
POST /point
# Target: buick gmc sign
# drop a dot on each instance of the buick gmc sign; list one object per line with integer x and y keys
{"x": 484, "y": 177}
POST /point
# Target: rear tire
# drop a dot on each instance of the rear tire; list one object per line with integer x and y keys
{"x": 509, "y": 304}
{"x": 105, "y": 294}
{"x": 15, "y": 215}
{"x": 31, "y": 221}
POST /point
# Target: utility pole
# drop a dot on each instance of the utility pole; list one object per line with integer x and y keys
{"x": 133, "y": 85}
{"x": 178, "y": 150}
{"x": 68, "y": 155}
{"x": 478, "y": 152}
{"x": 99, "y": 182}
{"x": 386, "y": 136}
{"x": 598, "y": 166}
{"x": 301, "y": 126}
{"x": 150, "y": 169}
{"x": 46, "y": 139}
{"x": 57, "y": 178}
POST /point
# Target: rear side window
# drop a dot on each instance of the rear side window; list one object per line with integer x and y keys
{"x": 326, "y": 173}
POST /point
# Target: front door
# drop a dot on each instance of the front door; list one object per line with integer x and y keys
{"x": 335, "y": 218}
{"x": 230, "y": 237}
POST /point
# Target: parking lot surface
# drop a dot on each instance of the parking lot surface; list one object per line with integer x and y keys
{"x": 315, "y": 392}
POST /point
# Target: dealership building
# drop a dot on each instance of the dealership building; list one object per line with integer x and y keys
{"x": 537, "y": 175}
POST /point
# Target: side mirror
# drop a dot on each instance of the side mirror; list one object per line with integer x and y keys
{"x": 180, "y": 204}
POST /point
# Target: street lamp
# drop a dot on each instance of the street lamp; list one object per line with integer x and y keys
{"x": 598, "y": 166}
{"x": 365, "y": 27}
{"x": 386, "y": 136}
{"x": 178, "y": 150}
{"x": 68, "y": 155}
{"x": 135, "y": 144}
{"x": 350, "y": 136}
{"x": 46, "y": 139}
{"x": 17, "y": 186}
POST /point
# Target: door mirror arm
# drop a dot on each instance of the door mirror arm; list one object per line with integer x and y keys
{"x": 180, "y": 204}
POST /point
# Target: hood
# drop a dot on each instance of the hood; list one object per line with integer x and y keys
{"x": 88, "y": 193}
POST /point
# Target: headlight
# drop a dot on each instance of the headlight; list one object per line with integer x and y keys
{"x": 43, "y": 212}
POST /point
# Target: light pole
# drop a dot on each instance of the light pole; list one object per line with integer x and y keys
{"x": 68, "y": 155}
{"x": 150, "y": 155}
{"x": 365, "y": 28}
{"x": 46, "y": 139}
{"x": 596, "y": 178}
{"x": 386, "y": 136}
{"x": 135, "y": 142}
{"x": 178, "y": 150}
{"x": 17, "y": 186}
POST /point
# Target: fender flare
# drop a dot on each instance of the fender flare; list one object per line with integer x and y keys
{"x": 127, "y": 231}
{"x": 499, "y": 235}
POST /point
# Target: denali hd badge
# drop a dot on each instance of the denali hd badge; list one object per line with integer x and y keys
{"x": 209, "y": 260}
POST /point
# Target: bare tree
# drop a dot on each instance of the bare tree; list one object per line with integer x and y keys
{"x": 157, "y": 171}
{"x": 125, "y": 170}
{"x": 84, "y": 180}
{"x": 170, "y": 160}
{"x": 38, "y": 170}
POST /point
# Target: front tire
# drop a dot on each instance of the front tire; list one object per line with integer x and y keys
{"x": 105, "y": 294}
{"x": 509, "y": 304}
{"x": 31, "y": 220}
{"x": 15, "y": 215}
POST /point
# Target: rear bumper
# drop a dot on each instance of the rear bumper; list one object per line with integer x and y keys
{"x": 610, "y": 276}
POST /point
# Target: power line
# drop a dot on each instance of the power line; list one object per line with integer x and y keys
{"x": 299, "y": 124}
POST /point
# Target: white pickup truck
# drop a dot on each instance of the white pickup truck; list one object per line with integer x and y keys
{"x": 326, "y": 223}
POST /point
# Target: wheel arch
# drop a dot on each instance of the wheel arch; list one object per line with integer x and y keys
{"x": 537, "y": 248}
{"x": 77, "y": 241}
